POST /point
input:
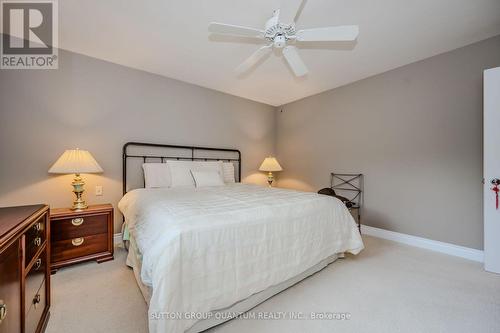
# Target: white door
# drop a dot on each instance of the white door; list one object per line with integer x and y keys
{"x": 491, "y": 169}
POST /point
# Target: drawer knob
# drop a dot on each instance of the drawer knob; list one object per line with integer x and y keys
{"x": 36, "y": 300}
{"x": 77, "y": 221}
{"x": 77, "y": 241}
{"x": 3, "y": 311}
{"x": 37, "y": 241}
{"x": 38, "y": 264}
{"x": 37, "y": 226}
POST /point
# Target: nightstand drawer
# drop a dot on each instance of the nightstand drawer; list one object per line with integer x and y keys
{"x": 35, "y": 277}
{"x": 35, "y": 237}
{"x": 79, "y": 226}
{"x": 78, "y": 247}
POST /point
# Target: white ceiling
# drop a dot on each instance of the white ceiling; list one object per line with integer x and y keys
{"x": 170, "y": 38}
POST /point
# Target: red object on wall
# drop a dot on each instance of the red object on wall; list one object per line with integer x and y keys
{"x": 496, "y": 190}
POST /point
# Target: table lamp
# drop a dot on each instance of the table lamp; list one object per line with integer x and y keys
{"x": 270, "y": 165}
{"x": 76, "y": 161}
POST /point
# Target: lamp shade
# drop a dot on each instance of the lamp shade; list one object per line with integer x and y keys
{"x": 76, "y": 161}
{"x": 270, "y": 164}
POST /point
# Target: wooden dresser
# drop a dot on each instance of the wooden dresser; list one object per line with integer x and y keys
{"x": 24, "y": 269}
{"x": 78, "y": 236}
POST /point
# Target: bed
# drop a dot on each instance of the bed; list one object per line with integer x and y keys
{"x": 203, "y": 255}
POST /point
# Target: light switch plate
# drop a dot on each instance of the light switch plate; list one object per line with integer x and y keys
{"x": 98, "y": 190}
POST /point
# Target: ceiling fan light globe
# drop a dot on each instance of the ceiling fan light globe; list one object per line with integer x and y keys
{"x": 279, "y": 42}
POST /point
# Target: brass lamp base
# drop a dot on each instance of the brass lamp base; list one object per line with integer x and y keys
{"x": 78, "y": 183}
{"x": 270, "y": 179}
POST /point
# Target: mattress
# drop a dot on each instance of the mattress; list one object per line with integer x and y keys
{"x": 206, "y": 249}
{"x": 219, "y": 316}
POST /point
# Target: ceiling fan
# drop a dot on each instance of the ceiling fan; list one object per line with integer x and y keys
{"x": 280, "y": 33}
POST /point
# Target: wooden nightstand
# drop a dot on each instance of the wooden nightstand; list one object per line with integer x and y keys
{"x": 78, "y": 236}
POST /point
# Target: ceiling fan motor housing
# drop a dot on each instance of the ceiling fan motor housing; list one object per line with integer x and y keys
{"x": 277, "y": 32}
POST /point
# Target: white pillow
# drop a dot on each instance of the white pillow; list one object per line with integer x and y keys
{"x": 180, "y": 171}
{"x": 228, "y": 173}
{"x": 156, "y": 175}
{"x": 207, "y": 178}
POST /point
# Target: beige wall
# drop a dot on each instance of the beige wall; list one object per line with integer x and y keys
{"x": 98, "y": 106}
{"x": 416, "y": 134}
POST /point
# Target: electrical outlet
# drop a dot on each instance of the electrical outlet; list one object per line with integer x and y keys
{"x": 98, "y": 190}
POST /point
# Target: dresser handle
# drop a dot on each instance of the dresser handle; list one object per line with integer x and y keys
{"x": 37, "y": 241}
{"x": 38, "y": 264}
{"x": 36, "y": 300}
{"x": 3, "y": 311}
{"x": 77, "y": 241}
{"x": 37, "y": 226}
{"x": 77, "y": 221}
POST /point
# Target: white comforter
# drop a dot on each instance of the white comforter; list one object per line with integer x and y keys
{"x": 207, "y": 248}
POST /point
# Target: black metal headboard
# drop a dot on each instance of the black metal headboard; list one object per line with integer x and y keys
{"x": 185, "y": 153}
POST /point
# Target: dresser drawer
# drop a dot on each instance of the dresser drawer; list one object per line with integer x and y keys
{"x": 78, "y": 247}
{"x": 10, "y": 289}
{"x": 79, "y": 226}
{"x": 35, "y": 277}
{"x": 35, "y": 237}
{"x": 36, "y": 306}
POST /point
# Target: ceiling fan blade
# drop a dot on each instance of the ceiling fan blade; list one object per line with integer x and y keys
{"x": 329, "y": 34}
{"x": 235, "y": 30}
{"x": 253, "y": 59}
{"x": 290, "y": 10}
{"x": 293, "y": 58}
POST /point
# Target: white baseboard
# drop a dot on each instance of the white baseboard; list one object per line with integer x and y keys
{"x": 117, "y": 239}
{"x": 433, "y": 245}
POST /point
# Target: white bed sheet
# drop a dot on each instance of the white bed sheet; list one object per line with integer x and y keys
{"x": 207, "y": 248}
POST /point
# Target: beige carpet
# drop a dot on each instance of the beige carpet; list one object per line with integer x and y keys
{"x": 389, "y": 287}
